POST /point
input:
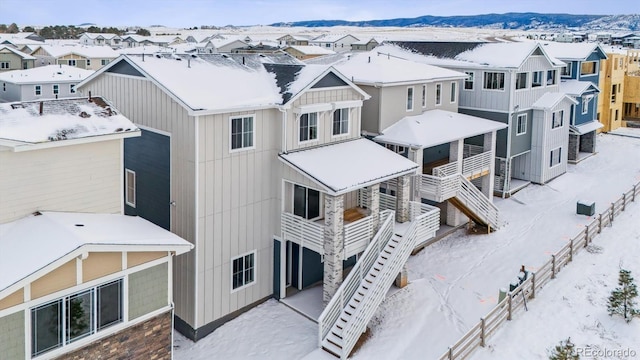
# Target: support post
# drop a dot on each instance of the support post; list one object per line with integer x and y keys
{"x": 533, "y": 285}
{"x": 509, "y": 308}
{"x": 586, "y": 235}
{"x": 600, "y": 223}
{"x": 571, "y": 250}
{"x": 373, "y": 204}
{"x": 624, "y": 201}
{"x": 402, "y": 279}
{"x": 482, "y": 333}
{"x": 333, "y": 246}
{"x": 402, "y": 199}
{"x": 553, "y": 266}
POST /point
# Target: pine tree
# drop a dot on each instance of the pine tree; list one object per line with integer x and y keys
{"x": 622, "y": 299}
{"x": 564, "y": 351}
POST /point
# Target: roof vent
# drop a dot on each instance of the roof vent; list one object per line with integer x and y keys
{"x": 158, "y": 56}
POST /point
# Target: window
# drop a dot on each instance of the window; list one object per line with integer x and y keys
{"x": 551, "y": 77}
{"x": 617, "y": 113}
{"x": 104, "y": 62}
{"x": 438, "y": 94}
{"x": 4, "y": 86}
{"x": 38, "y": 89}
{"x": 453, "y": 92}
{"x": 398, "y": 149}
{"x": 130, "y": 187}
{"x": 555, "y": 157}
{"x": 588, "y": 68}
{"x": 243, "y": 271}
{"x": 566, "y": 71}
{"x": 306, "y": 202}
{"x": 557, "y": 119}
{"x": 536, "y": 80}
{"x": 424, "y": 96}
{"x": 341, "y": 121}
{"x": 613, "y": 92}
{"x": 72, "y": 62}
{"x": 72, "y": 88}
{"x": 88, "y": 62}
{"x": 63, "y": 321}
{"x": 585, "y": 104}
{"x": 241, "y": 132}
{"x": 56, "y": 89}
{"x": 521, "y": 80}
{"x": 521, "y": 125}
{"x": 494, "y": 80}
{"x": 409, "y": 98}
{"x": 468, "y": 82}
{"x": 4, "y": 65}
{"x": 308, "y": 127}
{"x": 25, "y": 65}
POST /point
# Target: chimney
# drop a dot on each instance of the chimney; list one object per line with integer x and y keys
{"x": 41, "y": 106}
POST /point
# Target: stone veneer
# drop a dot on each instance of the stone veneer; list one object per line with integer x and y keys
{"x": 148, "y": 340}
{"x": 333, "y": 245}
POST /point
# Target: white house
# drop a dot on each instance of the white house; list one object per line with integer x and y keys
{"x": 44, "y": 82}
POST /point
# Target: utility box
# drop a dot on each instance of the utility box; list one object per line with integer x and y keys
{"x": 586, "y": 208}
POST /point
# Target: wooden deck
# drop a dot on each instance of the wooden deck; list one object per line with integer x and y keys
{"x": 354, "y": 214}
{"x": 428, "y": 167}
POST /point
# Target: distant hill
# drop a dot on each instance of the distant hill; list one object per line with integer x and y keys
{"x": 515, "y": 21}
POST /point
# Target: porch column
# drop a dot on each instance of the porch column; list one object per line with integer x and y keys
{"x": 333, "y": 245}
{"x": 403, "y": 194}
{"x": 402, "y": 279}
{"x": 454, "y": 216}
{"x": 489, "y": 144}
{"x": 373, "y": 204}
{"x": 417, "y": 156}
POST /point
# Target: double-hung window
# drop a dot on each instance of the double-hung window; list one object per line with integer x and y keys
{"x": 409, "y": 98}
{"x": 566, "y": 70}
{"x": 585, "y": 104}
{"x": 494, "y": 80}
{"x": 241, "y": 132}
{"x": 536, "y": 80}
{"x": 340, "y": 122}
{"x": 521, "y": 80}
{"x": 130, "y": 187}
{"x": 4, "y": 65}
{"x": 454, "y": 92}
{"x": 38, "y": 90}
{"x": 551, "y": 77}
{"x": 308, "y": 127}
{"x": 555, "y": 157}
{"x": 88, "y": 62}
{"x": 72, "y": 88}
{"x": 557, "y": 119}
{"x": 72, "y": 62}
{"x": 521, "y": 127}
{"x": 468, "y": 82}
{"x": 424, "y": 96}
{"x": 65, "y": 320}
{"x": 438, "y": 94}
{"x": 56, "y": 89}
{"x": 243, "y": 271}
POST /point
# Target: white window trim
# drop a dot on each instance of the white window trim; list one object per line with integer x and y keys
{"x": 72, "y": 88}
{"x": 561, "y": 120}
{"x": 542, "y": 78}
{"x": 126, "y": 188}
{"x": 504, "y": 85}
{"x": 524, "y": 116}
{"x": 318, "y": 114}
{"x": 438, "y": 101}
{"x": 53, "y": 89}
{"x": 473, "y": 81}
{"x": 551, "y": 157}
{"x": 293, "y": 187}
{"x": 253, "y": 134}
{"x": 453, "y": 91}
{"x": 413, "y": 98}
{"x": 255, "y": 271}
{"x": 348, "y": 124}
{"x": 570, "y": 67}
{"x": 424, "y": 96}
{"x": 596, "y": 72}
{"x": 526, "y": 85}
{"x": 35, "y": 90}
{"x": 585, "y": 105}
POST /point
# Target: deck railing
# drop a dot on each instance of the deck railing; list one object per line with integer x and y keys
{"x": 437, "y": 188}
{"x": 357, "y": 235}
{"x": 477, "y": 165}
{"x": 387, "y": 202}
{"x": 302, "y": 232}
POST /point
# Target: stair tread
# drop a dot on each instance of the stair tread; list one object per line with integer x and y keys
{"x": 331, "y": 348}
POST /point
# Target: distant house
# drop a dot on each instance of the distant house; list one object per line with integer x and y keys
{"x": 334, "y": 42}
{"x": 131, "y": 41}
{"x": 79, "y": 278}
{"x": 228, "y": 45}
{"x": 257, "y": 49}
{"x": 12, "y": 59}
{"x": 307, "y": 52}
{"x": 293, "y": 40}
{"x": 364, "y": 45}
{"x": 100, "y": 39}
{"x": 84, "y": 57}
{"x": 45, "y": 82}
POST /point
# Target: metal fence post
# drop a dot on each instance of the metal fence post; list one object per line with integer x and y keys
{"x": 553, "y": 266}
{"x": 482, "y": 333}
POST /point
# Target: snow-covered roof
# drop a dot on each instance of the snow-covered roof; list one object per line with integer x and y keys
{"x": 312, "y": 50}
{"x": 19, "y": 53}
{"x": 22, "y": 125}
{"x": 218, "y": 43}
{"x": 502, "y": 55}
{"x": 576, "y": 87}
{"x": 331, "y": 38}
{"x": 549, "y": 100}
{"x": 46, "y": 74}
{"x": 146, "y": 49}
{"x": 365, "y": 42}
{"x": 349, "y": 165}
{"x": 98, "y": 35}
{"x": 34, "y": 242}
{"x": 586, "y": 127}
{"x": 294, "y": 37}
{"x": 58, "y": 51}
{"x": 572, "y": 51}
{"x": 436, "y": 127}
{"x": 373, "y": 67}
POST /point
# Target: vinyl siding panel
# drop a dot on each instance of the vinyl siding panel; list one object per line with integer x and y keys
{"x": 479, "y": 98}
{"x": 545, "y": 139}
{"x": 371, "y": 109}
{"x": 526, "y": 97}
{"x": 145, "y": 104}
{"x": 79, "y": 178}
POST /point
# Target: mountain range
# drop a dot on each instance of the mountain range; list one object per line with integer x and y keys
{"x": 514, "y": 21}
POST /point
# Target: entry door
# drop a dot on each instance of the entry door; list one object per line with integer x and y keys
{"x": 306, "y": 202}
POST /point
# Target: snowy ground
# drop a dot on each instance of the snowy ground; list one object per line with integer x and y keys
{"x": 456, "y": 281}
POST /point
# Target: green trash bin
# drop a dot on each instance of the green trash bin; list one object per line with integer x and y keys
{"x": 586, "y": 208}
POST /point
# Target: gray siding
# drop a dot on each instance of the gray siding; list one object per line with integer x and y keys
{"x": 371, "y": 109}
{"x": 145, "y": 104}
{"x": 148, "y": 290}
{"x": 520, "y": 143}
{"x": 501, "y": 138}
{"x": 12, "y": 336}
{"x": 526, "y": 97}
{"x": 479, "y": 98}
{"x": 544, "y": 139}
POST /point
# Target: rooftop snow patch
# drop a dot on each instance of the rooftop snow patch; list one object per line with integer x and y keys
{"x": 48, "y": 236}
{"x": 549, "y": 100}
{"x": 62, "y": 119}
{"x": 501, "y": 55}
{"x": 348, "y": 166}
{"x": 436, "y": 127}
{"x": 312, "y": 50}
{"x": 570, "y": 51}
{"x": 46, "y": 74}
{"x": 576, "y": 87}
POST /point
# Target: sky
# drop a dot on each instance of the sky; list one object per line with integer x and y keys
{"x": 189, "y": 13}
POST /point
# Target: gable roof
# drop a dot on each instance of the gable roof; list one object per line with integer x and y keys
{"x": 573, "y": 51}
{"x": 550, "y": 100}
{"x": 436, "y": 127}
{"x": 576, "y": 87}
{"x": 311, "y": 49}
{"x": 46, "y": 74}
{"x": 374, "y": 68}
{"x": 19, "y": 53}
{"x": 438, "y": 49}
{"x": 332, "y": 38}
{"x": 346, "y": 166}
{"x": 22, "y": 126}
{"x": 58, "y": 51}
{"x": 48, "y": 237}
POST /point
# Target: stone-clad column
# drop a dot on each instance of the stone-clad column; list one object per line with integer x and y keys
{"x": 333, "y": 245}
{"x": 373, "y": 204}
{"x": 403, "y": 193}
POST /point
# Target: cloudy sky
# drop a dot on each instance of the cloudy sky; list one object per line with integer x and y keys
{"x": 188, "y": 13}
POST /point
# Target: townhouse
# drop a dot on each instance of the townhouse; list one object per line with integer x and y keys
{"x": 12, "y": 59}
{"x": 84, "y": 57}
{"x": 79, "y": 278}
{"x": 335, "y": 42}
{"x": 44, "y": 82}
{"x": 100, "y": 39}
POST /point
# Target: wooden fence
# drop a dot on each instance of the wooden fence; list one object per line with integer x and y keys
{"x": 517, "y": 299}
